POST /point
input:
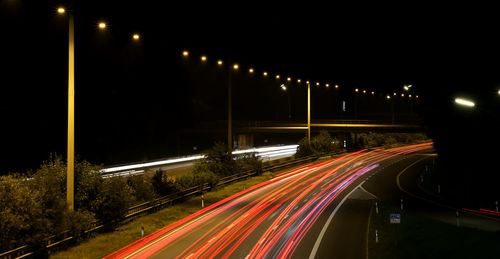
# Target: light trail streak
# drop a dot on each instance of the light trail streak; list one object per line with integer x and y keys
{"x": 266, "y": 220}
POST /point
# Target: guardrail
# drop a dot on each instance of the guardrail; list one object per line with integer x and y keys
{"x": 61, "y": 239}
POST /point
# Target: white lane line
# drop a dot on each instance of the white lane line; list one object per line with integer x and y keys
{"x": 323, "y": 230}
{"x": 398, "y": 183}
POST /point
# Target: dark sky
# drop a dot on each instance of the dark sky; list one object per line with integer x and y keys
{"x": 443, "y": 51}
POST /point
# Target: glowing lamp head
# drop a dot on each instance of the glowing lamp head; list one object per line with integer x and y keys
{"x": 102, "y": 25}
{"x": 203, "y": 58}
{"x": 219, "y": 62}
{"x": 250, "y": 70}
{"x": 136, "y": 36}
{"x": 185, "y": 53}
{"x": 236, "y": 67}
{"x": 288, "y": 79}
{"x": 464, "y": 102}
{"x": 61, "y": 10}
{"x": 264, "y": 73}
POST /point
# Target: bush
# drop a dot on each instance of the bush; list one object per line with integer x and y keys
{"x": 142, "y": 187}
{"x": 187, "y": 181}
{"x": 321, "y": 144}
{"x": 219, "y": 161}
{"x": 113, "y": 200}
{"x": 250, "y": 163}
{"x": 162, "y": 184}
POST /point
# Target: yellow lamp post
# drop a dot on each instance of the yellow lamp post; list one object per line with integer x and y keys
{"x": 308, "y": 113}
{"x": 70, "y": 178}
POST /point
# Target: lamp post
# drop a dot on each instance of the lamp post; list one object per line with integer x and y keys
{"x": 229, "y": 108}
{"x": 284, "y": 88}
{"x": 70, "y": 178}
{"x": 308, "y": 113}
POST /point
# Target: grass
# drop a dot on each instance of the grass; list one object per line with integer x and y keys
{"x": 106, "y": 243}
{"x": 420, "y": 237}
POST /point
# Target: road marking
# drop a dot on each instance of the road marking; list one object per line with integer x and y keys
{"x": 398, "y": 183}
{"x": 323, "y": 230}
{"x": 375, "y": 196}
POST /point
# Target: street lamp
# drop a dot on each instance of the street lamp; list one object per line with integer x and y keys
{"x": 284, "y": 88}
{"x": 136, "y": 36}
{"x": 464, "y": 102}
{"x": 308, "y": 113}
{"x": 102, "y": 25}
{"x": 70, "y": 177}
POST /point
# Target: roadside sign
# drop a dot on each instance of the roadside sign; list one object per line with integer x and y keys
{"x": 395, "y": 218}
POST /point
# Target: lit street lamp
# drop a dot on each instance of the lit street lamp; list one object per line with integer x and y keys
{"x": 284, "y": 88}
{"x": 70, "y": 178}
{"x": 464, "y": 102}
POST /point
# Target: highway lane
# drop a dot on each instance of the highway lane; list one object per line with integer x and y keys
{"x": 283, "y": 217}
{"x": 400, "y": 181}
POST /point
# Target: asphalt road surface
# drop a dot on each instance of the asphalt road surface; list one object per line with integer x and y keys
{"x": 313, "y": 211}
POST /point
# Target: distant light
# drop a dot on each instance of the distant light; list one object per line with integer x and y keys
{"x": 402, "y": 95}
{"x": 185, "y": 53}
{"x": 203, "y": 58}
{"x": 277, "y": 76}
{"x": 135, "y": 36}
{"x": 416, "y": 96}
{"x": 464, "y": 102}
{"x": 317, "y": 83}
{"x": 307, "y": 82}
{"x": 298, "y": 81}
{"x": 235, "y": 66}
{"x": 283, "y": 87}
{"x": 499, "y": 92}
{"x": 336, "y": 86}
{"x": 61, "y": 10}
{"x": 364, "y": 91}
{"x": 219, "y": 62}
{"x": 409, "y": 95}
{"x": 373, "y": 92}
{"x": 327, "y": 85}
{"x": 356, "y": 90}
{"x": 264, "y": 73}
{"x": 288, "y": 79}
{"x": 388, "y": 97}
{"x": 250, "y": 70}
{"x": 394, "y": 94}
{"x": 102, "y": 25}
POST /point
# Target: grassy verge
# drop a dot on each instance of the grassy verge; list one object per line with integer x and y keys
{"x": 420, "y": 237}
{"x": 106, "y": 243}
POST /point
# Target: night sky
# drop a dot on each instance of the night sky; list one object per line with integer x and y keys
{"x": 132, "y": 97}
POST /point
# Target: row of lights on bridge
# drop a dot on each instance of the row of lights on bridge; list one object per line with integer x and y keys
{"x": 251, "y": 70}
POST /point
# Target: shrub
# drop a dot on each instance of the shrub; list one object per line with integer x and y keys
{"x": 219, "y": 161}
{"x": 142, "y": 187}
{"x": 250, "y": 163}
{"x": 113, "y": 200}
{"x": 162, "y": 184}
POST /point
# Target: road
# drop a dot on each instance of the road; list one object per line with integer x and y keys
{"x": 180, "y": 165}
{"x": 293, "y": 215}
